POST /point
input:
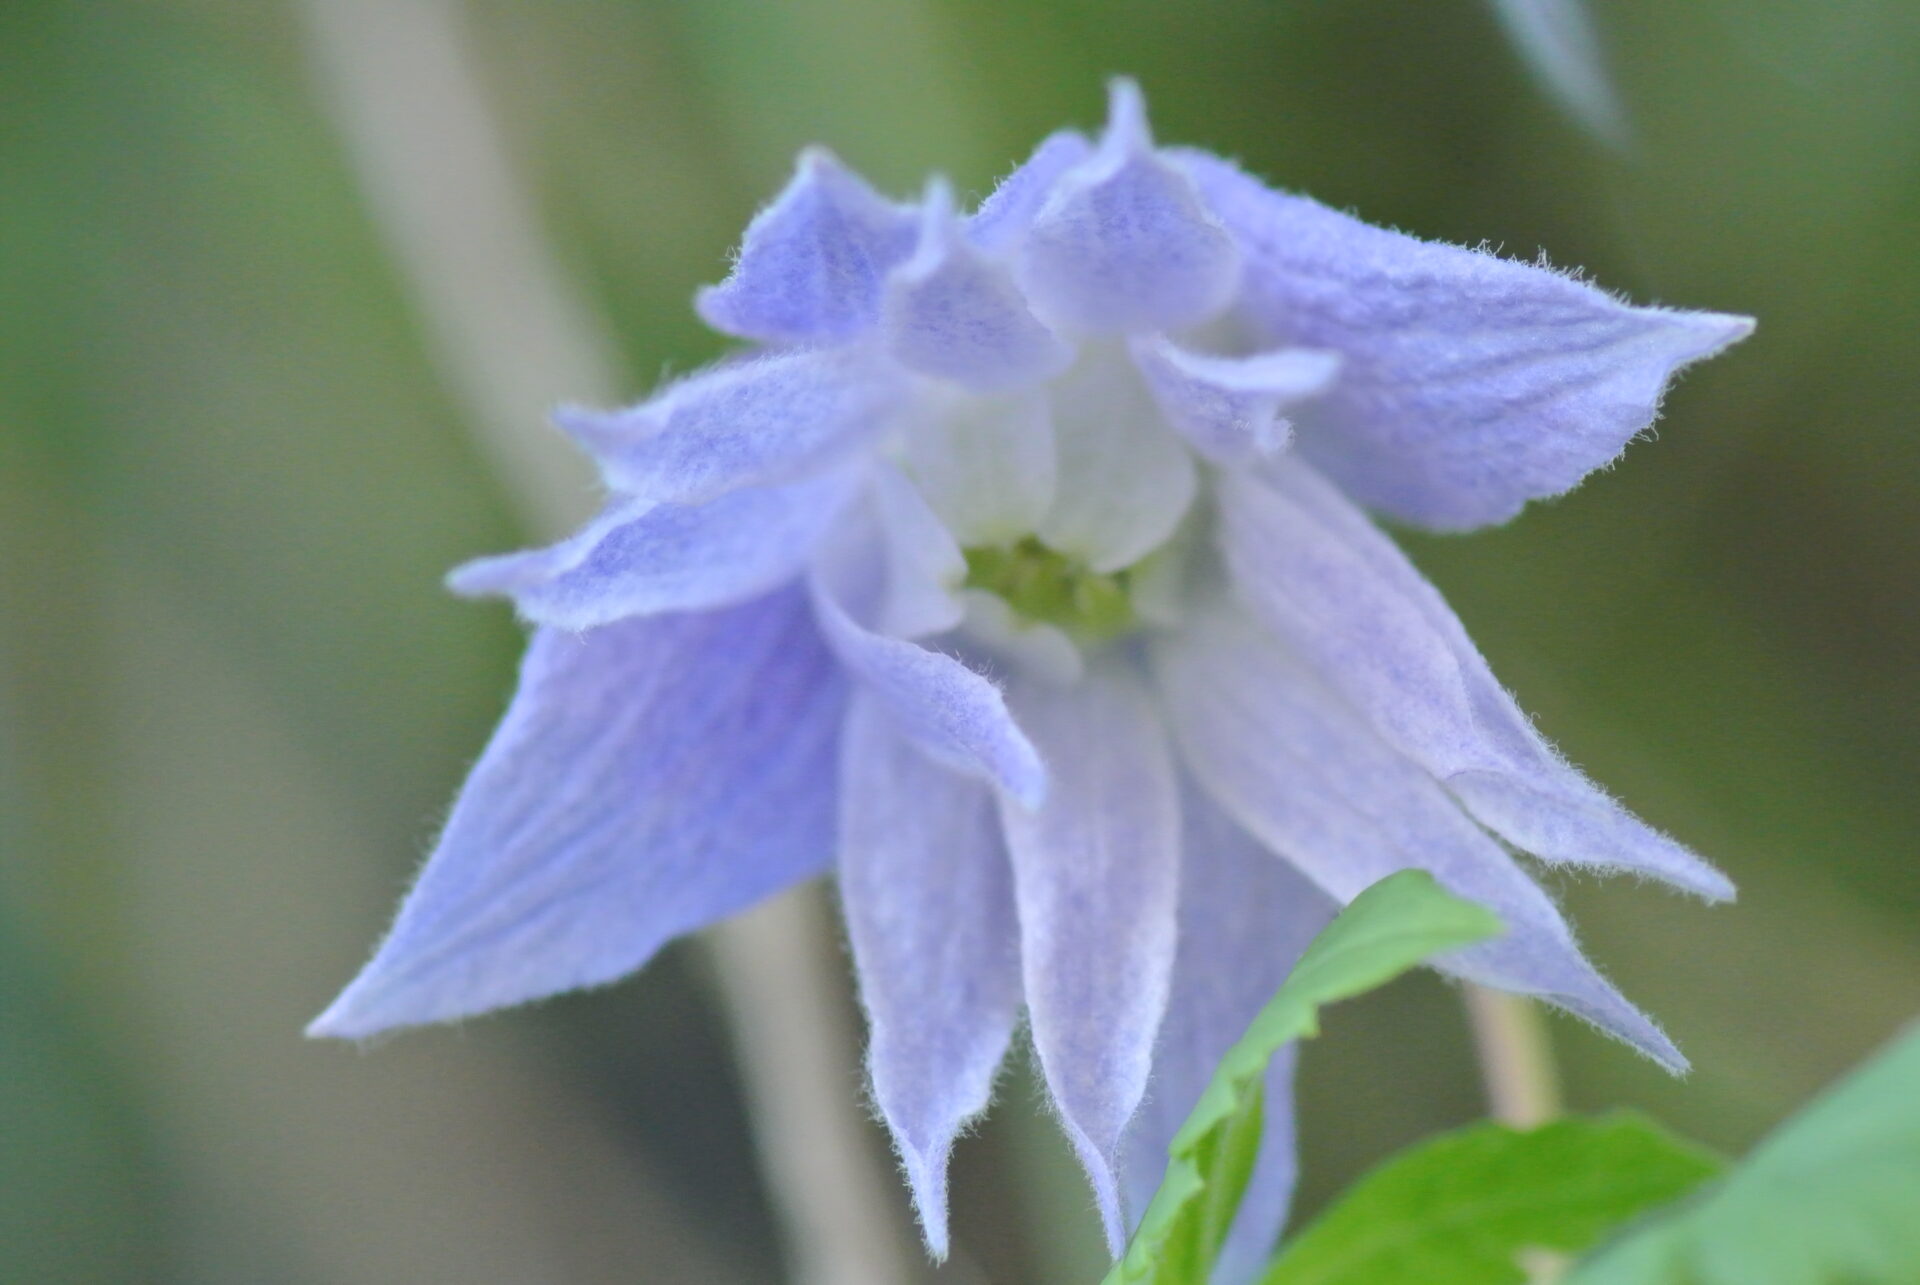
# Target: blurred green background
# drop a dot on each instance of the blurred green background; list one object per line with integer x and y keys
{"x": 236, "y": 700}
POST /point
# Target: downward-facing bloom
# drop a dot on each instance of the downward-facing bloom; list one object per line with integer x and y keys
{"x": 1020, "y": 574}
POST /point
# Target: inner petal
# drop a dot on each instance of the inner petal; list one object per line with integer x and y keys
{"x": 1123, "y": 481}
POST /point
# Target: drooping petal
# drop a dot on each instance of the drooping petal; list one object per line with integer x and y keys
{"x": 1321, "y": 576}
{"x": 1003, "y": 218}
{"x": 750, "y": 422}
{"x": 650, "y": 777}
{"x": 1294, "y": 765}
{"x": 1229, "y": 407}
{"x": 1096, "y": 874}
{"x": 1124, "y": 241}
{"x": 811, "y": 264}
{"x": 1471, "y": 384}
{"x": 946, "y": 709}
{"x": 638, "y": 560}
{"x": 952, "y": 313}
{"x": 987, "y": 465}
{"x": 929, "y": 907}
{"x": 1123, "y": 483}
{"x": 1245, "y": 916}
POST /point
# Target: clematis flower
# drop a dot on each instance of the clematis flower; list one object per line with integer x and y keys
{"x": 1021, "y": 573}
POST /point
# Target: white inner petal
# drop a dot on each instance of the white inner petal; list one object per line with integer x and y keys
{"x": 924, "y": 565}
{"x": 1124, "y": 479}
{"x": 986, "y": 465}
{"x": 1038, "y": 650}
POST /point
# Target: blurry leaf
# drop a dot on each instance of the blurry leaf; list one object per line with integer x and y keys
{"x": 1829, "y": 1197}
{"x": 1389, "y": 928}
{"x": 1459, "y": 1209}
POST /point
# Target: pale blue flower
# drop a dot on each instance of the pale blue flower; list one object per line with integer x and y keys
{"x": 1019, "y": 575}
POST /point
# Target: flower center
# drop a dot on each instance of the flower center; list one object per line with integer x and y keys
{"x": 1044, "y": 586}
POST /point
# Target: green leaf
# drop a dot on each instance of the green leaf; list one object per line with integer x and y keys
{"x": 1389, "y": 928}
{"x": 1460, "y": 1209}
{"x": 1829, "y": 1197}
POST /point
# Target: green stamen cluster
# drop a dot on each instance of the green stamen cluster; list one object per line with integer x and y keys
{"x": 1045, "y": 586}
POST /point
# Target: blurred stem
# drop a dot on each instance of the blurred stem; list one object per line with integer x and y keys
{"x": 1516, "y": 1057}
{"x": 781, "y": 970}
{"x": 511, "y": 339}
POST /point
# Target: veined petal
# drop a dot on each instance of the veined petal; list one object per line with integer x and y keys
{"x": 650, "y": 777}
{"x": 1125, "y": 242}
{"x": 1003, "y": 218}
{"x": 952, "y": 313}
{"x": 946, "y": 709}
{"x": 1229, "y": 407}
{"x": 1472, "y": 384}
{"x": 1245, "y": 916}
{"x": 749, "y": 422}
{"x": 987, "y": 465}
{"x": 811, "y": 265}
{"x": 1123, "y": 483}
{"x": 1316, "y": 571}
{"x": 927, "y": 894}
{"x": 1305, "y": 775}
{"x": 637, "y": 560}
{"x": 1096, "y": 875}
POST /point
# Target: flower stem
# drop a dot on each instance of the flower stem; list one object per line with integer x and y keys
{"x": 511, "y": 338}
{"x": 1516, "y": 1057}
{"x": 782, "y": 979}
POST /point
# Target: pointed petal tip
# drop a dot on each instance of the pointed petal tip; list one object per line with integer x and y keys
{"x": 593, "y": 429}
{"x": 1708, "y": 884}
{"x": 325, "y": 1027}
{"x": 937, "y": 200}
{"x": 1664, "y": 1053}
{"x": 1610, "y": 1012}
{"x": 1127, "y": 130}
{"x": 818, "y": 161}
{"x": 497, "y": 575}
{"x": 345, "y": 1019}
{"x": 1715, "y": 332}
{"x": 1103, "y": 1173}
{"x": 927, "y": 1181}
{"x": 939, "y": 232}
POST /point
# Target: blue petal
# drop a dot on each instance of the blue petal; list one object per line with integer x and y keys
{"x": 1229, "y": 408}
{"x": 1096, "y": 873}
{"x": 1292, "y": 763}
{"x": 649, "y": 778}
{"x": 943, "y": 707}
{"x": 811, "y": 265}
{"x": 954, "y": 314}
{"x": 1245, "y": 916}
{"x": 1003, "y": 218}
{"x": 638, "y": 560}
{"x": 929, "y": 909}
{"x": 1319, "y": 574}
{"x": 1125, "y": 243}
{"x": 1472, "y": 384}
{"x": 750, "y": 422}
